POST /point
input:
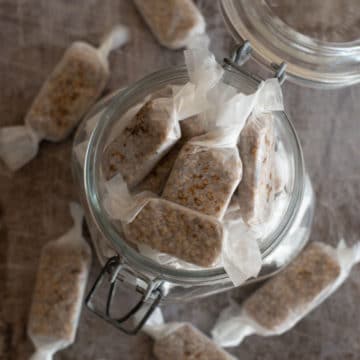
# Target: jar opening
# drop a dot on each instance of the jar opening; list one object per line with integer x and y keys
{"x": 94, "y": 181}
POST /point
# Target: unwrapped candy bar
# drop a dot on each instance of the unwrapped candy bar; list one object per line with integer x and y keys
{"x": 59, "y": 289}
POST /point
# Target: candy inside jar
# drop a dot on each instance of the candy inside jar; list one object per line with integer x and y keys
{"x": 183, "y": 210}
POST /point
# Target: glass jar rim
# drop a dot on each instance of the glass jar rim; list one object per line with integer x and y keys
{"x": 310, "y": 62}
{"x": 107, "y": 228}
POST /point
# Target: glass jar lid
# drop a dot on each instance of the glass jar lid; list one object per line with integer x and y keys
{"x": 318, "y": 40}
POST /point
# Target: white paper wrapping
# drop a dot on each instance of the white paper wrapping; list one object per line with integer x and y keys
{"x": 18, "y": 145}
{"x": 119, "y": 203}
{"x": 204, "y": 73}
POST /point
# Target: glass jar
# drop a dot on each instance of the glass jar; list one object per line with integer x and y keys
{"x": 152, "y": 282}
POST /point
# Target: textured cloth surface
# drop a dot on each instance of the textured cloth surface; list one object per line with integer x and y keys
{"x": 34, "y": 201}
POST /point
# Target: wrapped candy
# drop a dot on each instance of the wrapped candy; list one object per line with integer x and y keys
{"x": 208, "y": 168}
{"x": 256, "y": 190}
{"x": 181, "y": 341}
{"x": 257, "y": 151}
{"x": 74, "y": 85}
{"x": 289, "y": 296}
{"x": 60, "y": 285}
{"x": 146, "y": 138}
{"x": 204, "y": 175}
{"x": 173, "y": 22}
{"x": 163, "y": 225}
{"x": 178, "y": 231}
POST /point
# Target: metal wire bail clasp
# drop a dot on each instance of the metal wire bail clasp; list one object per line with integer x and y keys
{"x": 118, "y": 272}
{"x": 243, "y": 53}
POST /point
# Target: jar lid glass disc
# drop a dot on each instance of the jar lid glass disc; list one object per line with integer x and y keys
{"x": 319, "y": 40}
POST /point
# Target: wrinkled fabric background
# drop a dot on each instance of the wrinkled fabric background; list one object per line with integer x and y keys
{"x": 34, "y": 201}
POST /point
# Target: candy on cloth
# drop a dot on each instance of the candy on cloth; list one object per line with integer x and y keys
{"x": 58, "y": 294}
{"x": 173, "y": 22}
{"x": 69, "y": 91}
{"x": 289, "y": 296}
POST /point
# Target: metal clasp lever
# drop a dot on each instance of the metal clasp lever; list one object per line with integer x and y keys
{"x": 150, "y": 299}
{"x": 243, "y": 53}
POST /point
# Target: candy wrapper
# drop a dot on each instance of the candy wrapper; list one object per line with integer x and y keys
{"x": 205, "y": 175}
{"x": 289, "y": 296}
{"x": 181, "y": 341}
{"x": 74, "y": 85}
{"x": 60, "y": 285}
{"x": 240, "y": 254}
{"x": 173, "y": 22}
